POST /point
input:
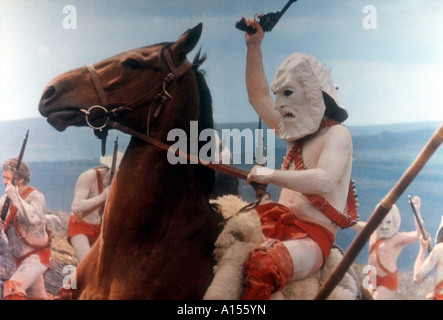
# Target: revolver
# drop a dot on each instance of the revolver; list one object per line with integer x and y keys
{"x": 266, "y": 21}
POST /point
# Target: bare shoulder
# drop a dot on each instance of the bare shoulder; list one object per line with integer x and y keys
{"x": 339, "y": 138}
{"x": 339, "y": 131}
{"x": 87, "y": 176}
{"x": 438, "y": 250}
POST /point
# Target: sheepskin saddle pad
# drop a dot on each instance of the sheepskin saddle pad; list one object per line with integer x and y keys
{"x": 241, "y": 234}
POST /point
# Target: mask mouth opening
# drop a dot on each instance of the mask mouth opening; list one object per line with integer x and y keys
{"x": 288, "y": 115}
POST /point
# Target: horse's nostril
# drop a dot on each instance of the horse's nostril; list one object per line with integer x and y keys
{"x": 50, "y": 92}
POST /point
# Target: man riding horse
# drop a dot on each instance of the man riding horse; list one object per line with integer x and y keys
{"x": 315, "y": 178}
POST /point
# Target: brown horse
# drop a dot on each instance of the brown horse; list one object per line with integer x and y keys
{"x": 158, "y": 231}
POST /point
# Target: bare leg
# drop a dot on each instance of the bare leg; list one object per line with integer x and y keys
{"x": 30, "y": 276}
{"x": 383, "y": 293}
{"x": 306, "y": 256}
{"x": 80, "y": 243}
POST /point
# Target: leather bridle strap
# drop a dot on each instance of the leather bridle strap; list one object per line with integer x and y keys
{"x": 98, "y": 85}
{"x": 224, "y": 168}
{"x": 260, "y": 189}
{"x": 181, "y": 70}
{"x": 176, "y": 73}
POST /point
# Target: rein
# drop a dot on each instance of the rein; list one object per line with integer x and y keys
{"x": 157, "y": 94}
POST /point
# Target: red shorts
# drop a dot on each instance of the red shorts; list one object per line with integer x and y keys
{"x": 278, "y": 222}
{"x": 80, "y": 227}
{"x": 43, "y": 254}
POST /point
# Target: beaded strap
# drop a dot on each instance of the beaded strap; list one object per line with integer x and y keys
{"x": 344, "y": 220}
{"x": 13, "y": 217}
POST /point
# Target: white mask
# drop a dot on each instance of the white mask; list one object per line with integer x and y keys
{"x": 390, "y": 224}
{"x": 298, "y": 86}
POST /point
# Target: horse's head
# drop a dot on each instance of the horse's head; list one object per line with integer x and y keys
{"x": 125, "y": 87}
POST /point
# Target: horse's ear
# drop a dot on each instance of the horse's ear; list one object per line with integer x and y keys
{"x": 187, "y": 41}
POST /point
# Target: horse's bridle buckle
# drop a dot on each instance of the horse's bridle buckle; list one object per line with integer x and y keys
{"x": 88, "y": 113}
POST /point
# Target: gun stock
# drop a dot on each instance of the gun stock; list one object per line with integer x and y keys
{"x": 19, "y": 162}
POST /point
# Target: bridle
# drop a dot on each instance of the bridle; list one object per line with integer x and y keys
{"x": 158, "y": 96}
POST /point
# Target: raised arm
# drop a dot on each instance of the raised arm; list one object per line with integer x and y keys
{"x": 422, "y": 266}
{"x": 256, "y": 82}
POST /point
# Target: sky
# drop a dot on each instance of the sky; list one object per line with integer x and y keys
{"x": 385, "y": 56}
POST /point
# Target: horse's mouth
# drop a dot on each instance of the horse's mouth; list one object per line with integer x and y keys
{"x": 62, "y": 119}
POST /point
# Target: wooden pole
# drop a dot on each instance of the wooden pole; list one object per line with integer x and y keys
{"x": 379, "y": 214}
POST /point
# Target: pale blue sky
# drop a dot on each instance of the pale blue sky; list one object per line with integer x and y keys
{"x": 386, "y": 75}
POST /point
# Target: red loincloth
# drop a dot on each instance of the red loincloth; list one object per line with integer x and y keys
{"x": 43, "y": 254}
{"x": 278, "y": 222}
{"x": 80, "y": 227}
{"x": 389, "y": 281}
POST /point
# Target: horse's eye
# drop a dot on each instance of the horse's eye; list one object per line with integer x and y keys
{"x": 288, "y": 92}
{"x": 132, "y": 63}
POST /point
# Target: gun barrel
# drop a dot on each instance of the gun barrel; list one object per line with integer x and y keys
{"x": 287, "y": 6}
{"x": 19, "y": 162}
{"x": 114, "y": 159}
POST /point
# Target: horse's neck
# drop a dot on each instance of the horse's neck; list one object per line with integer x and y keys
{"x": 147, "y": 180}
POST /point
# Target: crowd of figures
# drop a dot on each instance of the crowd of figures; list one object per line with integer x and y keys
{"x": 26, "y": 239}
{"x": 299, "y": 229}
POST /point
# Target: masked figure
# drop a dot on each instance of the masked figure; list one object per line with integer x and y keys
{"x": 434, "y": 262}
{"x": 316, "y": 197}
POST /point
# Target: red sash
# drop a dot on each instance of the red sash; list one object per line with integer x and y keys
{"x": 350, "y": 216}
{"x": 13, "y": 209}
{"x": 12, "y": 216}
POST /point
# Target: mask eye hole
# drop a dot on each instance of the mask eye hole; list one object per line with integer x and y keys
{"x": 287, "y": 93}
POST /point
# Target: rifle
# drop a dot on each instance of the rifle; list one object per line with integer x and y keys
{"x": 19, "y": 162}
{"x": 266, "y": 21}
{"x": 114, "y": 160}
{"x": 420, "y": 225}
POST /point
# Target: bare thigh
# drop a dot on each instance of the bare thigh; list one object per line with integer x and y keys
{"x": 30, "y": 275}
{"x": 306, "y": 256}
{"x": 80, "y": 243}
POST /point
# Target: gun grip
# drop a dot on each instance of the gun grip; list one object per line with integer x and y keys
{"x": 241, "y": 25}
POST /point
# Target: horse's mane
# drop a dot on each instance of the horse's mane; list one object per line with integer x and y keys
{"x": 206, "y": 176}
